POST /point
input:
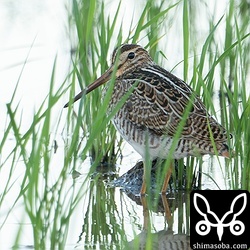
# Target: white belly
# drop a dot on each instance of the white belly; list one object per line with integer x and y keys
{"x": 145, "y": 142}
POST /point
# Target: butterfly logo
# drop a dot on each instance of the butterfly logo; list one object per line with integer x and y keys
{"x": 210, "y": 219}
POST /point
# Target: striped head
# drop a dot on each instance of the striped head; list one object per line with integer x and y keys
{"x": 129, "y": 57}
{"x": 125, "y": 59}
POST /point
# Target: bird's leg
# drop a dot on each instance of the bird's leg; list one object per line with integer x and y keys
{"x": 167, "y": 210}
{"x": 144, "y": 186}
{"x": 166, "y": 180}
{"x": 146, "y": 174}
{"x": 146, "y": 218}
{"x": 143, "y": 199}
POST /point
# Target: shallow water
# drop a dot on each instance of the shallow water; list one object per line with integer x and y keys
{"x": 106, "y": 217}
{"x": 35, "y": 31}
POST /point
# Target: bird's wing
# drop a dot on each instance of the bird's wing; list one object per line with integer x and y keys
{"x": 159, "y": 102}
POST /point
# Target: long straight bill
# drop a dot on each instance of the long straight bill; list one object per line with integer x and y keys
{"x": 98, "y": 82}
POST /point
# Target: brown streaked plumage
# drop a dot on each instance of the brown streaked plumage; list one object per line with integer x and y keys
{"x": 154, "y": 109}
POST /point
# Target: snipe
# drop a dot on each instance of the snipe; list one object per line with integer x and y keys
{"x": 151, "y": 114}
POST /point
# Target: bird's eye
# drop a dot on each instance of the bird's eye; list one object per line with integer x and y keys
{"x": 131, "y": 55}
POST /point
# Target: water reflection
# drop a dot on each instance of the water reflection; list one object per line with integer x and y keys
{"x": 164, "y": 239}
{"x": 173, "y": 212}
{"x": 131, "y": 181}
{"x": 114, "y": 219}
{"x": 102, "y": 221}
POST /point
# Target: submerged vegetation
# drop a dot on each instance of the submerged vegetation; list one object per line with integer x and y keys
{"x": 213, "y": 57}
